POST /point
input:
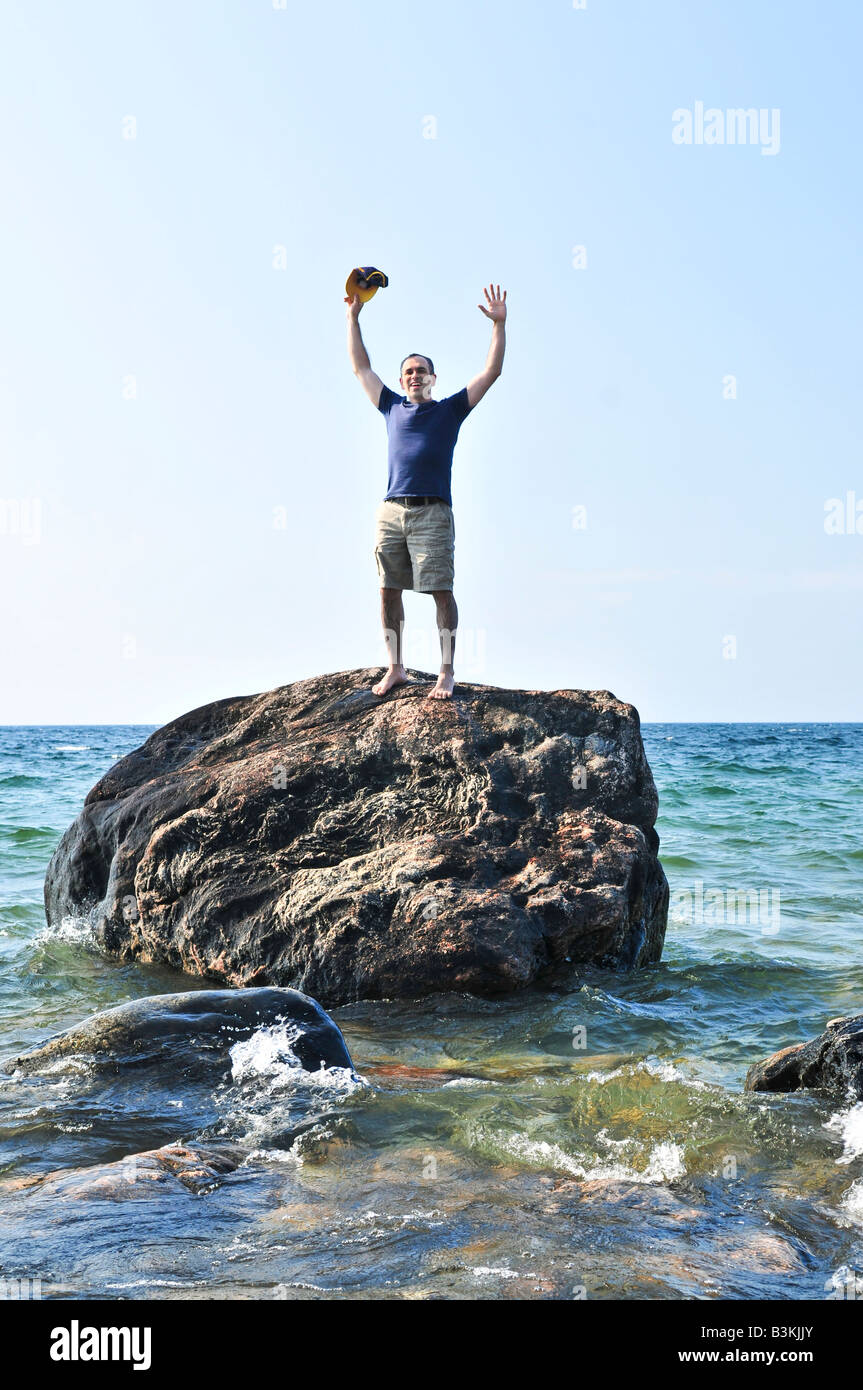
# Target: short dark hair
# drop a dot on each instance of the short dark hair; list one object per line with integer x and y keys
{"x": 417, "y": 354}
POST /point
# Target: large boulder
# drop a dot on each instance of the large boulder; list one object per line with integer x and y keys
{"x": 353, "y": 846}
{"x": 832, "y": 1062}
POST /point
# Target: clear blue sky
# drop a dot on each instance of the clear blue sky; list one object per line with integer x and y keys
{"x": 156, "y": 580}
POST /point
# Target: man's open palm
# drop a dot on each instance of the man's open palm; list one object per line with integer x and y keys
{"x": 496, "y": 304}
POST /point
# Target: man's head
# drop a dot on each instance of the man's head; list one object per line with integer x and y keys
{"x": 417, "y": 377}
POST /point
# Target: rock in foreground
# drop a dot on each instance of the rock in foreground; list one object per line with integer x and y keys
{"x": 355, "y": 847}
{"x": 832, "y": 1062}
{"x": 198, "y": 1168}
{"x": 192, "y": 1030}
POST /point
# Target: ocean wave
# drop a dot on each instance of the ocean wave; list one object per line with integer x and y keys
{"x": 22, "y": 834}
{"x": 432, "y": 1217}
{"x": 278, "y": 1158}
{"x": 271, "y": 1104}
{"x": 468, "y": 1083}
{"x": 375, "y": 1227}
{"x": 662, "y": 1071}
{"x": 281, "y": 1290}
{"x": 848, "y": 1126}
{"x": 627, "y": 1006}
{"x": 603, "y": 1137}
{"x": 76, "y": 931}
{"x": 159, "y": 1284}
{"x": 852, "y": 1203}
{"x": 269, "y": 1055}
{"x": 664, "y": 1161}
{"x": 751, "y": 769}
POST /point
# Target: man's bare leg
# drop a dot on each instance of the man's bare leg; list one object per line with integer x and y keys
{"x": 447, "y": 622}
{"x": 393, "y": 618}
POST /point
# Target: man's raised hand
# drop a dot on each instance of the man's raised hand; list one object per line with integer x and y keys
{"x": 496, "y": 310}
{"x": 355, "y": 304}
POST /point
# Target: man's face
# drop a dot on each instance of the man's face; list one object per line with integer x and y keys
{"x": 416, "y": 379}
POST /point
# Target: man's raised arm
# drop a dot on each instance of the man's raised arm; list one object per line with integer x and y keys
{"x": 496, "y": 311}
{"x": 369, "y": 380}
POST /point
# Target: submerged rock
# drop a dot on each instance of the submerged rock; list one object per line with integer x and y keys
{"x": 188, "y": 1030}
{"x": 197, "y": 1167}
{"x": 358, "y": 847}
{"x": 832, "y": 1062}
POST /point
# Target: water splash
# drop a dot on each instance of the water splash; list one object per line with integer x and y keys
{"x": 852, "y": 1203}
{"x": 664, "y": 1161}
{"x": 74, "y": 931}
{"x": 269, "y": 1055}
{"x": 848, "y": 1125}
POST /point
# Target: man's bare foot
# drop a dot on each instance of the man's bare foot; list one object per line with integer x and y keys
{"x": 444, "y": 687}
{"x": 396, "y": 675}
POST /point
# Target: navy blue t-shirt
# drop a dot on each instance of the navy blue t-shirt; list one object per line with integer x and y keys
{"x": 421, "y": 442}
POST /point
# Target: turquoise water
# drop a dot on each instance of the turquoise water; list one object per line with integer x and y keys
{"x": 592, "y": 1140}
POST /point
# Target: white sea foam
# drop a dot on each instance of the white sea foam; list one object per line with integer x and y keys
{"x": 603, "y": 1137}
{"x": 76, "y": 931}
{"x": 268, "y": 1082}
{"x": 70, "y": 1062}
{"x": 266, "y": 1052}
{"x": 269, "y": 1055}
{"x": 59, "y": 1077}
{"x": 467, "y": 1082}
{"x": 848, "y": 1125}
{"x": 664, "y": 1163}
{"x": 845, "y": 1283}
{"x": 852, "y": 1202}
{"x": 398, "y": 1221}
{"x": 281, "y": 1290}
{"x": 71, "y": 748}
{"x": 159, "y": 1284}
{"x": 663, "y": 1071}
{"x": 277, "y": 1158}
{"x": 623, "y": 1006}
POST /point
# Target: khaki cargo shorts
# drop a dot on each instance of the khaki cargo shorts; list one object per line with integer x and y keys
{"x": 415, "y": 546}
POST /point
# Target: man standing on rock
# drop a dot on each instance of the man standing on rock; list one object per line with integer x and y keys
{"x": 415, "y": 535}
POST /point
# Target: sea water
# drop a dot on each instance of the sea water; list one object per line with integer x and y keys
{"x": 592, "y": 1141}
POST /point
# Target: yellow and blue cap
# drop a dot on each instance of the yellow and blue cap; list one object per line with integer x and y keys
{"x": 365, "y": 280}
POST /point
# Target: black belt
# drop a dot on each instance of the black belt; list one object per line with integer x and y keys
{"x": 415, "y": 501}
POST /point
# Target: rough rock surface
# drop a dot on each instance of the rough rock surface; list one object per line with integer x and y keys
{"x": 356, "y": 847}
{"x": 197, "y": 1167}
{"x": 190, "y": 1030}
{"x": 832, "y": 1062}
